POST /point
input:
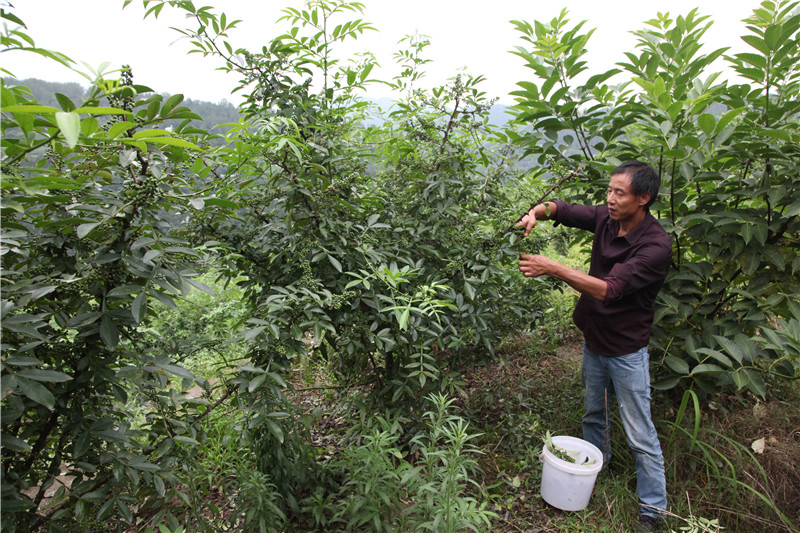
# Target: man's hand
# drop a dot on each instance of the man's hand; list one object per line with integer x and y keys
{"x": 533, "y": 266}
{"x": 529, "y": 221}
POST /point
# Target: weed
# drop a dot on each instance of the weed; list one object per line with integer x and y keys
{"x": 387, "y": 488}
{"x": 446, "y": 470}
{"x": 260, "y": 505}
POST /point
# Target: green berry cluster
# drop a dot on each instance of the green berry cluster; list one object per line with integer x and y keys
{"x": 338, "y": 300}
{"x": 307, "y": 280}
{"x": 143, "y": 192}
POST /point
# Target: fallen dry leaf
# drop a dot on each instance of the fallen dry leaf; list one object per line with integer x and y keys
{"x": 758, "y": 445}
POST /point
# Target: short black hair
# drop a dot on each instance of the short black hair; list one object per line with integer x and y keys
{"x": 643, "y": 179}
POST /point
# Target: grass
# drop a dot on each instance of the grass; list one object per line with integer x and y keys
{"x": 714, "y": 477}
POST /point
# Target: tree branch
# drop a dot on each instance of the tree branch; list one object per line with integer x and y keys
{"x": 549, "y": 191}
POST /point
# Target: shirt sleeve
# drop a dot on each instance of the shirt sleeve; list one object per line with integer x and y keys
{"x": 577, "y": 215}
{"x": 647, "y": 266}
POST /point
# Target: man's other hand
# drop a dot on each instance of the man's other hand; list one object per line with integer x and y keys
{"x": 528, "y": 221}
{"x": 533, "y": 266}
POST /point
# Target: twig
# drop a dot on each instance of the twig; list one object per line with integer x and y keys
{"x": 449, "y": 127}
{"x": 339, "y": 387}
{"x": 545, "y": 195}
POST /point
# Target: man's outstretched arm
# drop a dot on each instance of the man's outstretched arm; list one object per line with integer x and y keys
{"x": 533, "y": 266}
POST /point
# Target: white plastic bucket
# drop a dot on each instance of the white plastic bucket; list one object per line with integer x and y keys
{"x": 568, "y": 486}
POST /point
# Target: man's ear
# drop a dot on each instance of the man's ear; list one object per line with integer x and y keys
{"x": 644, "y": 198}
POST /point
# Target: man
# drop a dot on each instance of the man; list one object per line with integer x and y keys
{"x": 629, "y": 261}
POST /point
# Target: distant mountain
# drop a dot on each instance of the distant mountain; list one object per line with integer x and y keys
{"x": 45, "y": 91}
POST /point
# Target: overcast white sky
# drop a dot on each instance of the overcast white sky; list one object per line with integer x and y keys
{"x": 471, "y": 34}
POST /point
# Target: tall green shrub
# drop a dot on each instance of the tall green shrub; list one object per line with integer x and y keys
{"x": 377, "y": 243}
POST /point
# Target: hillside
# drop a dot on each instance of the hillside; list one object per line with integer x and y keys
{"x": 44, "y": 91}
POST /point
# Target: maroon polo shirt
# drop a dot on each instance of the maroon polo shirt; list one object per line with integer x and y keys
{"x": 634, "y": 267}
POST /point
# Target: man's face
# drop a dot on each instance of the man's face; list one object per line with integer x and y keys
{"x": 622, "y": 203}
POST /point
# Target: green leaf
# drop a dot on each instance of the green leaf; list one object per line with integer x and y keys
{"x": 42, "y": 291}
{"x": 29, "y": 109}
{"x": 781, "y": 135}
{"x": 707, "y": 369}
{"x": 731, "y": 348}
{"x": 47, "y": 376}
{"x": 139, "y": 145}
{"x": 256, "y": 382}
{"x": 163, "y": 298}
{"x": 470, "y": 290}
{"x": 19, "y": 360}
{"x": 202, "y": 286}
{"x": 147, "y": 134}
{"x": 10, "y": 442}
{"x": 119, "y": 128}
{"x": 402, "y": 318}
{"x": 8, "y": 383}
{"x": 158, "y": 483}
{"x": 275, "y": 430}
{"x": 252, "y": 333}
{"x": 124, "y": 511}
{"x": 747, "y": 233}
{"x": 756, "y": 382}
{"x": 773, "y": 36}
{"x": 139, "y": 307}
{"x": 144, "y": 466}
{"x": 109, "y": 332}
{"x": 85, "y": 229}
{"x": 719, "y": 356}
{"x": 667, "y": 384}
{"x": 707, "y": 123}
{"x": 70, "y": 125}
{"x": 171, "y": 102}
{"x": 335, "y": 262}
{"x": 12, "y": 17}
{"x": 222, "y": 203}
{"x": 677, "y": 364}
{"x": 36, "y": 392}
{"x": 124, "y": 290}
{"x": 177, "y": 371}
{"x": 173, "y": 141}
{"x": 82, "y": 444}
{"x": 756, "y": 42}
{"x": 143, "y": 241}
{"x": 65, "y": 103}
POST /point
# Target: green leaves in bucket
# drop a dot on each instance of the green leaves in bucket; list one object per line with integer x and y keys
{"x": 564, "y": 454}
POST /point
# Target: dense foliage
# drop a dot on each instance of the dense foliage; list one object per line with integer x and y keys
{"x": 389, "y": 274}
{"x": 380, "y": 251}
{"x": 89, "y": 246}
